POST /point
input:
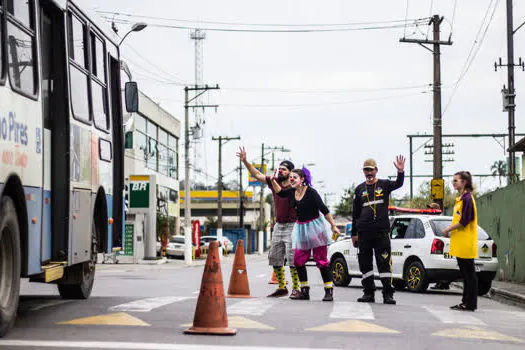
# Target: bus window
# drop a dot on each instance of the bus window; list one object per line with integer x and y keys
{"x": 100, "y": 114}
{"x": 21, "y": 47}
{"x": 76, "y": 41}
{"x": 1, "y": 46}
{"x": 78, "y": 75}
{"x": 98, "y": 84}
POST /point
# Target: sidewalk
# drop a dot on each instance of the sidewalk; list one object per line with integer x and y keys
{"x": 173, "y": 264}
{"x": 505, "y": 292}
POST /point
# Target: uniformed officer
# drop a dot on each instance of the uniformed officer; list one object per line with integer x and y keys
{"x": 371, "y": 227}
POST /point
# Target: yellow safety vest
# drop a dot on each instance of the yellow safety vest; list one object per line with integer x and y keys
{"x": 464, "y": 241}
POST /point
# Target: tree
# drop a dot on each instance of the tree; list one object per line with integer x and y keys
{"x": 422, "y": 198}
{"x": 345, "y": 206}
{"x": 499, "y": 169}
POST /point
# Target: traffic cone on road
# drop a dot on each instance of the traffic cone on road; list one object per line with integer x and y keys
{"x": 273, "y": 280}
{"x": 210, "y": 314}
{"x": 239, "y": 285}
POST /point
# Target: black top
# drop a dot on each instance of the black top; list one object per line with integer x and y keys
{"x": 308, "y": 207}
{"x": 368, "y": 198}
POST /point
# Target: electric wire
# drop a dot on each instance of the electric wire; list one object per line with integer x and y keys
{"x": 474, "y": 49}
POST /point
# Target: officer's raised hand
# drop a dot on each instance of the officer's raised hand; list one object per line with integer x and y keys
{"x": 400, "y": 163}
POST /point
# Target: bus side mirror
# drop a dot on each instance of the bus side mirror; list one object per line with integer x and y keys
{"x": 132, "y": 97}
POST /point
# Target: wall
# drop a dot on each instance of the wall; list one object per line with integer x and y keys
{"x": 502, "y": 214}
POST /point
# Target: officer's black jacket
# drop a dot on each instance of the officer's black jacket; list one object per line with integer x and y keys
{"x": 368, "y": 196}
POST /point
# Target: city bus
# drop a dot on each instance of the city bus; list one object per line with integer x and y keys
{"x": 61, "y": 145}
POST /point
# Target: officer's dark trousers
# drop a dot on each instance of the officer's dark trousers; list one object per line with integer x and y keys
{"x": 378, "y": 244}
{"x": 470, "y": 283}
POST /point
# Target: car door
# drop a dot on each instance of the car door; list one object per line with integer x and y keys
{"x": 397, "y": 241}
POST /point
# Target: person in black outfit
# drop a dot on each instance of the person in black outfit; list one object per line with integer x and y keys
{"x": 371, "y": 227}
{"x": 311, "y": 233}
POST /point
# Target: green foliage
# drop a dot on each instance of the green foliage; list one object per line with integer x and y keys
{"x": 345, "y": 206}
{"x": 499, "y": 169}
{"x": 422, "y": 198}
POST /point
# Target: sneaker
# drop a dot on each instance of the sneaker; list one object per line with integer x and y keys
{"x": 328, "y": 294}
{"x": 367, "y": 298}
{"x": 304, "y": 294}
{"x": 294, "y": 294}
{"x": 279, "y": 293}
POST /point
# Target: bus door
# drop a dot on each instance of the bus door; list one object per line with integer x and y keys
{"x": 56, "y": 133}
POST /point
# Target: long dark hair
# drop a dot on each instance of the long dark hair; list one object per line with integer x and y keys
{"x": 305, "y": 174}
{"x": 467, "y": 177}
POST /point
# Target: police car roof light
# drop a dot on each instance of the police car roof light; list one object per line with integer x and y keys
{"x": 414, "y": 210}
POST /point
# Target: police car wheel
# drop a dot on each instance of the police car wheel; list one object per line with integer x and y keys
{"x": 399, "y": 284}
{"x": 484, "y": 287}
{"x": 415, "y": 277}
{"x": 340, "y": 272}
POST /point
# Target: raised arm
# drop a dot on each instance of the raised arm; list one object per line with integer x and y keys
{"x": 255, "y": 173}
{"x": 400, "y": 166}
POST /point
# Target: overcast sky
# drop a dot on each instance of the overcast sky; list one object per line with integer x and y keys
{"x": 261, "y": 72}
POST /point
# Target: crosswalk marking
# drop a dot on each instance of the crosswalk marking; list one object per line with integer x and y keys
{"x": 352, "y": 326}
{"x": 476, "y": 333}
{"x": 448, "y": 316}
{"x": 146, "y": 305}
{"x": 115, "y": 319}
{"x": 254, "y": 307}
{"x": 352, "y": 310}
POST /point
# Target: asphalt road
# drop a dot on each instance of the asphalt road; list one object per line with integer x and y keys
{"x": 148, "y": 307}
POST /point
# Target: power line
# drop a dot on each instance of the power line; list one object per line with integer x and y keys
{"x": 314, "y": 30}
{"x": 199, "y": 22}
{"x": 474, "y": 49}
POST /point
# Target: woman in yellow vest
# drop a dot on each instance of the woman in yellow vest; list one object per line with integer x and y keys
{"x": 463, "y": 234}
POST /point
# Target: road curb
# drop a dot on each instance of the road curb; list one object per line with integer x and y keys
{"x": 501, "y": 294}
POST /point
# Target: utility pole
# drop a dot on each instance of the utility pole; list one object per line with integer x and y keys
{"x": 509, "y": 94}
{"x": 187, "y": 188}
{"x": 219, "y": 188}
{"x": 436, "y": 21}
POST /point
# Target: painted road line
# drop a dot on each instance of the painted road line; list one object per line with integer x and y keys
{"x": 352, "y": 326}
{"x": 252, "y": 307}
{"x": 115, "y": 319}
{"x": 476, "y": 333}
{"x": 448, "y": 316}
{"x": 241, "y": 323}
{"x": 146, "y": 305}
{"x": 352, "y": 310}
{"x": 24, "y": 344}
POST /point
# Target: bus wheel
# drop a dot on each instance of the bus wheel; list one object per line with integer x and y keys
{"x": 84, "y": 273}
{"x": 10, "y": 264}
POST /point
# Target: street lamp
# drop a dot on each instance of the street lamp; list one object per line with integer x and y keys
{"x": 137, "y": 27}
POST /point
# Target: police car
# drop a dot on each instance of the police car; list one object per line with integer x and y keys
{"x": 420, "y": 254}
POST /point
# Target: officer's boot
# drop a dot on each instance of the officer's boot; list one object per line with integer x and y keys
{"x": 328, "y": 294}
{"x": 388, "y": 298}
{"x": 304, "y": 294}
{"x": 367, "y": 298}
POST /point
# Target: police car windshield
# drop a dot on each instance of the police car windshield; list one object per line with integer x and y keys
{"x": 439, "y": 224}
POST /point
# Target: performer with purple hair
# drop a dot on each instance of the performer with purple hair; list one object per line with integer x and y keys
{"x": 311, "y": 231}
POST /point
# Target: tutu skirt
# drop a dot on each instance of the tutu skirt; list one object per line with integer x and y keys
{"x": 311, "y": 234}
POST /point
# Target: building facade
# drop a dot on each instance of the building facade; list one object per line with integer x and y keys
{"x": 152, "y": 148}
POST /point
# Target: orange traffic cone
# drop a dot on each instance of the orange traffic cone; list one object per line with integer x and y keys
{"x": 239, "y": 285}
{"x": 274, "y": 279}
{"x": 210, "y": 315}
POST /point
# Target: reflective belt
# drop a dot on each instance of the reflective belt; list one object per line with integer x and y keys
{"x": 385, "y": 275}
{"x": 368, "y": 274}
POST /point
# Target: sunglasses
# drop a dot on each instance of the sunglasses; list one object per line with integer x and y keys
{"x": 368, "y": 169}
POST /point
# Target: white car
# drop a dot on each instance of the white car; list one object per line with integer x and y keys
{"x": 175, "y": 247}
{"x": 420, "y": 255}
{"x": 225, "y": 242}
